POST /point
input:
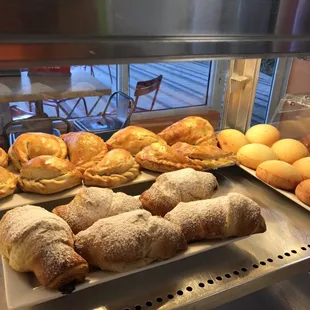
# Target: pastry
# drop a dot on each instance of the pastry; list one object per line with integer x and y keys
{"x": 35, "y": 240}
{"x": 48, "y": 175}
{"x": 129, "y": 240}
{"x": 33, "y": 144}
{"x": 303, "y": 191}
{"x": 163, "y": 158}
{"x": 263, "y": 134}
{"x": 133, "y": 139}
{"x": 179, "y": 186}
{"x": 4, "y": 158}
{"x": 290, "y": 150}
{"x": 303, "y": 167}
{"x": 231, "y": 140}
{"x": 205, "y": 155}
{"x": 192, "y": 130}
{"x": 117, "y": 167}
{"x": 85, "y": 149}
{"x": 7, "y": 183}
{"x": 252, "y": 155}
{"x": 306, "y": 141}
{"x": 92, "y": 204}
{"x": 279, "y": 174}
{"x": 233, "y": 215}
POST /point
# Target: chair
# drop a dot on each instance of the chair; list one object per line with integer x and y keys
{"x": 146, "y": 87}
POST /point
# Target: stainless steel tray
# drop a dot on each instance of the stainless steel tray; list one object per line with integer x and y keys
{"x": 210, "y": 279}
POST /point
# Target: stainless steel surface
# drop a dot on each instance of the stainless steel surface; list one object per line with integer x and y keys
{"x": 288, "y": 232}
{"x": 103, "y": 31}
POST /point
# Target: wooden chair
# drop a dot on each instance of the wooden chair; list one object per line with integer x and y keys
{"x": 144, "y": 88}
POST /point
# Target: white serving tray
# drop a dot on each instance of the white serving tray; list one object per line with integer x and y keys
{"x": 23, "y": 290}
{"x": 287, "y": 194}
{"x": 22, "y": 199}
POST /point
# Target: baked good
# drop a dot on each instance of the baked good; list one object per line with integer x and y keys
{"x": 35, "y": 240}
{"x": 180, "y": 186}
{"x": 263, "y": 134}
{"x": 233, "y": 215}
{"x": 192, "y": 130}
{"x": 85, "y": 149}
{"x": 93, "y": 203}
{"x": 252, "y": 155}
{"x": 163, "y": 158}
{"x": 290, "y": 150}
{"x": 48, "y": 175}
{"x": 306, "y": 141}
{"x": 129, "y": 240}
{"x": 33, "y": 144}
{"x": 278, "y": 174}
{"x": 205, "y": 155}
{"x": 4, "y": 158}
{"x": 303, "y": 191}
{"x": 7, "y": 183}
{"x": 303, "y": 167}
{"x": 117, "y": 167}
{"x": 133, "y": 139}
{"x": 231, "y": 140}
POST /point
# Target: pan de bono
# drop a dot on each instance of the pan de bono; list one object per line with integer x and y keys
{"x": 303, "y": 192}
{"x": 263, "y": 134}
{"x": 303, "y": 166}
{"x": 231, "y": 140}
{"x": 279, "y": 174}
{"x": 290, "y": 150}
{"x": 252, "y": 155}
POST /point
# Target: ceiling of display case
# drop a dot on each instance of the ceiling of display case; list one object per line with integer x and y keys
{"x": 121, "y": 31}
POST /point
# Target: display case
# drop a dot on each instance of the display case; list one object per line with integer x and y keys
{"x": 231, "y": 62}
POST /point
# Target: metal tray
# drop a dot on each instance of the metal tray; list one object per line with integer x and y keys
{"x": 287, "y": 194}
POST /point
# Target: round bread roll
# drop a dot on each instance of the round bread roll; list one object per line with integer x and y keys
{"x": 303, "y": 192}
{"x": 290, "y": 150}
{"x": 303, "y": 166}
{"x": 231, "y": 140}
{"x": 306, "y": 141}
{"x": 263, "y": 134}
{"x": 278, "y": 174}
{"x": 252, "y": 155}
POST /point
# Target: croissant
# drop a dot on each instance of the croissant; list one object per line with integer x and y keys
{"x": 233, "y": 215}
{"x": 179, "y": 186}
{"x": 8, "y": 183}
{"x": 129, "y": 240}
{"x": 92, "y": 204}
{"x": 35, "y": 240}
{"x": 4, "y": 158}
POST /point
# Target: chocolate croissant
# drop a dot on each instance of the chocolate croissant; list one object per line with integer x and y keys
{"x": 35, "y": 240}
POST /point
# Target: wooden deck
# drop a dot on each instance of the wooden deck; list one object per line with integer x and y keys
{"x": 184, "y": 84}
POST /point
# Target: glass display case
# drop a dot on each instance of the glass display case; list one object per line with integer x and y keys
{"x": 102, "y": 66}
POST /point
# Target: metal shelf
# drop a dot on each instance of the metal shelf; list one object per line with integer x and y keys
{"x": 211, "y": 279}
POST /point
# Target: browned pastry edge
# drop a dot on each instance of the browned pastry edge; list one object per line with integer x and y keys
{"x": 7, "y": 186}
{"x": 4, "y": 158}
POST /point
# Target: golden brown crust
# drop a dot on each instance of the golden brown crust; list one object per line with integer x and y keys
{"x": 133, "y": 139}
{"x": 231, "y": 140}
{"x": 117, "y": 167}
{"x": 163, "y": 158}
{"x": 8, "y": 183}
{"x": 4, "y": 158}
{"x": 33, "y": 144}
{"x": 48, "y": 175}
{"x": 85, "y": 149}
{"x": 206, "y": 156}
{"x": 192, "y": 130}
{"x": 303, "y": 192}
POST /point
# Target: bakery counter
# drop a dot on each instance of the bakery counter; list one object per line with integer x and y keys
{"x": 213, "y": 278}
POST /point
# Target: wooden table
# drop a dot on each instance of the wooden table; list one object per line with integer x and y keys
{"x": 39, "y": 88}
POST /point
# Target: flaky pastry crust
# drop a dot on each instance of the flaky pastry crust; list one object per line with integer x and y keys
{"x": 133, "y": 139}
{"x": 162, "y": 158}
{"x": 207, "y": 156}
{"x": 33, "y": 144}
{"x": 192, "y": 130}
{"x": 116, "y": 168}
{"x": 4, "y": 158}
{"x": 85, "y": 149}
{"x": 7, "y": 183}
{"x": 48, "y": 175}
